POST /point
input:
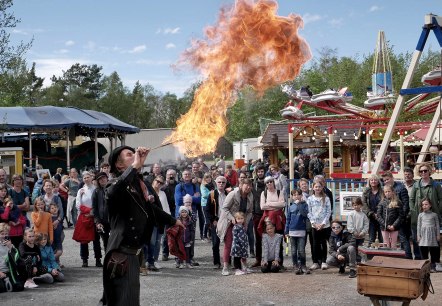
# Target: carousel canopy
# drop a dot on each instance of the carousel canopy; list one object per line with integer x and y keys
{"x": 46, "y": 118}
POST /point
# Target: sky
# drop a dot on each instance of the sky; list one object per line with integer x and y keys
{"x": 141, "y": 39}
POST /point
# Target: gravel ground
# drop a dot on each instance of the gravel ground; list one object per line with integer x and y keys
{"x": 203, "y": 285}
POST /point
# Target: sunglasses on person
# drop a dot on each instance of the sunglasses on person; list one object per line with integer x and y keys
{"x": 336, "y": 227}
{"x": 220, "y": 182}
{"x": 269, "y": 182}
{"x": 423, "y": 170}
{"x": 159, "y": 182}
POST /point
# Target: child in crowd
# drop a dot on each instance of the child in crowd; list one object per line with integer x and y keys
{"x": 17, "y": 222}
{"x": 57, "y": 244}
{"x": 188, "y": 236}
{"x": 428, "y": 234}
{"x": 48, "y": 258}
{"x": 8, "y": 262}
{"x": 358, "y": 223}
{"x": 342, "y": 249}
{"x": 390, "y": 216}
{"x": 42, "y": 220}
{"x": 206, "y": 187}
{"x": 31, "y": 255}
{"x": 3, "y": 195}
{"x": 295, "y": 227}
{"x": 187, "y": 202}
{"x": 319, "y": 211}
{"x": 240, "y": 243}
{"x": 271, "y": 242}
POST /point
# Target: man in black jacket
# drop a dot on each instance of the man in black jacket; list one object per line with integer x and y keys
{"x": 258, "y": 187}
{"x": 213, "y": 209}
{"x": 99, "y": 208}
{"x": 169, "y": 190}
{"x": 132, "y": 219}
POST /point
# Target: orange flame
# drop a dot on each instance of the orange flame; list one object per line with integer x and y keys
{"x": 249, "y": 45}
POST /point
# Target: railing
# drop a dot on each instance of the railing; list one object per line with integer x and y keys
{"x": 337, "y": 187}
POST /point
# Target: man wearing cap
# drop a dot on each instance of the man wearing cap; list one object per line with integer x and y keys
{"x": 132, "y": 219}
{"x": 99, "y": 208}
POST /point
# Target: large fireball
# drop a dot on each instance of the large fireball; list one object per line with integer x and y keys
{"x": 249, "y": 45}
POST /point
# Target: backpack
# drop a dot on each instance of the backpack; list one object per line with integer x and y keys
{"x": 277, "y": 191}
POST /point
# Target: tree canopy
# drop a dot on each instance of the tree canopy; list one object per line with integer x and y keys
{"x": 85, "y": 86}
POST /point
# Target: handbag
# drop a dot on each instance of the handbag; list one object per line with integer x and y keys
{"x": 117, "y": 265}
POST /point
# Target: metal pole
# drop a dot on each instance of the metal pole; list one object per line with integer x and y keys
{"x": 431, "y": 130}
{"x": 396, "y": 112}
{"x": 30, "y": 150}
{"x": 96, "y": 149}
{"x": 291, "y": 165}
{"x": 68, "y": 153}
{"x": 402, "y": 155}
{"x": 330, "y": 151}
{"x": 369, "y": 157}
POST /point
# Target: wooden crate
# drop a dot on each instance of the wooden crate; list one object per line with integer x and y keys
{"x": 393, "y": 277}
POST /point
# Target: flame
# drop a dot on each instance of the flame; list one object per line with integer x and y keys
{"x": 249, "y": 45}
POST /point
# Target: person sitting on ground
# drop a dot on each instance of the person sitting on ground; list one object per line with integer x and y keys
{"x": 48, "y": 258}
{"x": 30, "y": 253}
{"x": 10, "y": 272}
{"x": 342, "y": 249}
{"x": 271, "y": 242}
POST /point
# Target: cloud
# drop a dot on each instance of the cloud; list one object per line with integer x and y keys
{"x": 170, "y": 46}
{"x": 168, "y": 31}
{"x": 149, "y": 62}
{"x": 69, "y": 43}
{"x": 308, "y": 18}
{"x": 62, "y": 51}
{"x": 138, "y": 49}
{"x": 336, "y": 23}
{"x": 20, "y": 32}
{"x": 91, "y": 46}
{"x": 374, "y": 8}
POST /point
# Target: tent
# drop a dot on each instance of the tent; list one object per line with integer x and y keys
{"x": 417, "y": 138}
{"x": 66, "y": 121}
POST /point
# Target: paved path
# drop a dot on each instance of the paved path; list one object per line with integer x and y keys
{"x": 202, "y": 286}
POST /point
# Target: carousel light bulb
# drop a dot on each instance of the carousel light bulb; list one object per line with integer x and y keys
{"x": 326, "y": 139}
{"x": 341, "y": 140}
{"x": 313, "y": 138}
{"x": 370, "y": 132}
{"x": 345, "y": 133}
{"x": 335, "y": 131}
{"x": 356, "y": 137}
{"x": 314, "y": 133}
{"x": 305, "y": 132}
{"x": 325, "y": 132}
{"x": 380, "y": 133}
{"x": 406, "y": 132}
{"x": 363, "y": 132}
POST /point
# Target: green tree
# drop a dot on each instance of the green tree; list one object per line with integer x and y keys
{"x": 8, "y": 52}
{"x": 82, "y": 85}
{"x": 20, "y": 86}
